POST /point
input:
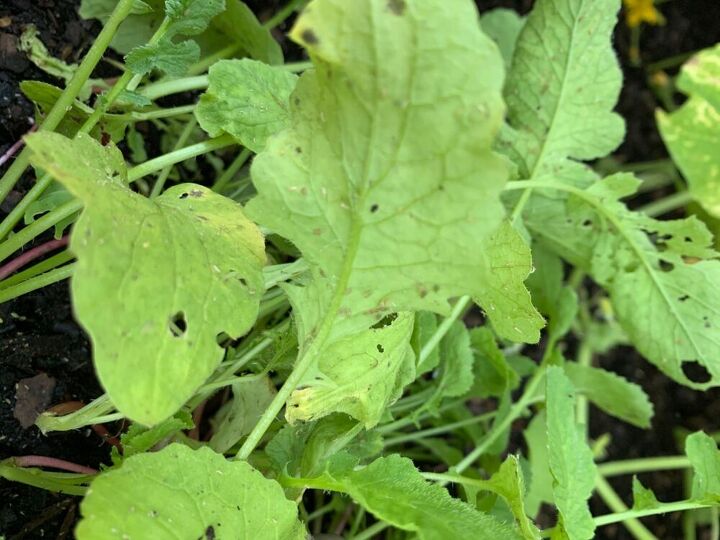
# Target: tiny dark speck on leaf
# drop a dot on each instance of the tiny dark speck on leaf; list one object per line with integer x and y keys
{"x": 210, "y": 533}
{"x": 309, "y": 37}
{"x": 397, "y": 6}
{"x": 374, "y": 208}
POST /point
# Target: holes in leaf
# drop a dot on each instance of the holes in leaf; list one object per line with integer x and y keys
{"x": 695, "y": 371}
{"x": 177, "y": 324}
{"x": 184, "y": 195}
{"x": 374, "y": 208}
{"x": 684, "y": 298}
{"x": 666, "y": 266}
{"x": 587, "y": 223}
{"x": 224, "y": 340}
{"x": 385, "y": 321}
{"x": 380, "y": 348}
{"x": 243, "y": 281}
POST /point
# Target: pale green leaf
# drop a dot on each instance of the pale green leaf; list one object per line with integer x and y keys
{"x": 425, "y": 327}
{"x": 692, "y": 133}
{"x": 643, "y": 498}
{"x": 702, "y": 451}
{"x": 564, "y": 69}
{"x": 165, "y": 55}
{"x": 541, "y": 481}
{"x": 508, "y": 482}
{"x": 183, "y": 493}
{"x": 138, "y": 438}
{"x": 503, "y": 26}
{"x": 386, "y": 180}
{"x": 156, "y": 280}
{"x": 247, "y": 99}
{"x": 612, "y": 393}
{"x": 570, "y": 458}
{"x": 239, "y": 416}
{"x": 191, "y": 17}
{"x": 360, "y": 375}
{"x": 393, "y": 490}
{"x": 31, "y": 44}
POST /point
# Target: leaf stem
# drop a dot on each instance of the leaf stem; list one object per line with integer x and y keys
{"x": 30, "y": 255}
{"x": 163, "y": 176}
{"x": 663, "y": 508}
{"x": 61, "y": 106}
{"x": 38, "y": 282}
{"x": 231, "y": 170}
{"x": 666, "y": 204}
{"x": 51, "y": 481}
{"x": 616, "y": 504}
{"x": 442, "y": 329}
{"x": 635, "y": 466}
{"x": 430, "y": 432}
{"x": 53, "y": 463}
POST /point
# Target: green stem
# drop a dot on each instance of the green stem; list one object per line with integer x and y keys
{"x": 48, "y": 264}
{"x": 372, "y": 531}
{"x": 413, "y": 420}
{"x": 666, "y": 204}
{"x": 443, "y": 329}
{"x": 64, "y": 102}
{"x": 308, "y": 356}
{"x": 664, "y": 508}
{"x": 163, "y": 176}
{"x": 70, "y": 483}
{"x": 584, "y": 358}
{"x": 38, "y": 282}
{"x": 159, "y": 113}
{"x": 231, "y": 170}
{"x": 430, "y": 432}
{"x": 85, "y": 416}
{"x": 635, "y": 466}
{"x": 528, "y": 397}
{"x": 165, "y": 88}
{"x": 284, "y": 13}
{"x": 615, "y": 503}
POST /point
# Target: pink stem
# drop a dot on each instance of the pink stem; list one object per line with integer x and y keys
{"x": 55, "y": 463}
{"x": 14, "y": 148}
{"x": 30, "y": 255}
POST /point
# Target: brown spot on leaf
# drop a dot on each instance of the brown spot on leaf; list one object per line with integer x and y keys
{"x": 309, "y": 37}
{"x": 397, "y": 6}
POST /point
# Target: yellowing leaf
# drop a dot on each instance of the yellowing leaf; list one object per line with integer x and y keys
{"x": 156, "y": 280}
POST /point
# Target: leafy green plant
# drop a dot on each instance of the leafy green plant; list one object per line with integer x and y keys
{"x": 413, "y": 170}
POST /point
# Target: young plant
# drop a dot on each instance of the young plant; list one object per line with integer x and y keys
{"x": 414, "y": 169}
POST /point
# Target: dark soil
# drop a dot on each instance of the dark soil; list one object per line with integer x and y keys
{"x": 39, "y": 336}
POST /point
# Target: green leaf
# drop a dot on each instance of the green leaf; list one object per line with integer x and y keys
{"x": 54, "y": 196}
{"x": 393, "y": 490}
{"x": 564, "y": 68}
{"x": 247, "y": 99}
{"x": 183, "y": 493}
{"x": 425, "y": 327}
{"x": 503, "y": 26}
{"x": 540, "y": 488}
{"x": 570, "y": 458}
{"x": 692, "y": 133}
{"x": 38, "y": 54}
{"x": 239, "y": 416}
{"x": 360, "y": 375}
{"x": 191, "y": 17}
{"x": 508, "y": 482}
{"x": 702, "y": 451}
{"x": 165, "y": 55}
{"x": 552, "y": 298}
{"x": 138, "y": 439}
{"x": 239, "y": 24}
{"x": 493, "y": 376}
{"x": 102, "y": 9}
{"x": 643, "y": 498}
{"x": 156, "y": 280}
{"x": 396, "y": 219}
{"x": 636, "y": 257}
{"x": 612, "y": 393}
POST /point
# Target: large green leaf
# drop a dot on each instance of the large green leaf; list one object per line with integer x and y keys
{"x": 247, "y": 99}
{"x": 392, "y": 489}
{"x": 570, "y": 458}
{"x": 563, "y": 70}
{"x": 385, "y": 180}
{"x": 183, "y": 493}
{"x": 503, "y": 26}
{"x": 541, "y": 480}
{"x": 692, "y": 133}
{"x": 360, "y": 375}
{"x": 156, "y": 280}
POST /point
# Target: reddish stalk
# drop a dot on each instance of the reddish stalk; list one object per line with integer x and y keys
{"x": 54, "y": 463}
{"x": 10, "y": 152}
{"x": 30, "y": 255}
{"x": 197, "y": 416}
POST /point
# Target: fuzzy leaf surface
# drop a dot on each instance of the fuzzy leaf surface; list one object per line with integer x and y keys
{"x": 183, "y": 493}
{"x": 385, "y": 179}
{"x": 156, "y": 280}
{"x": 247, "y": 99}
